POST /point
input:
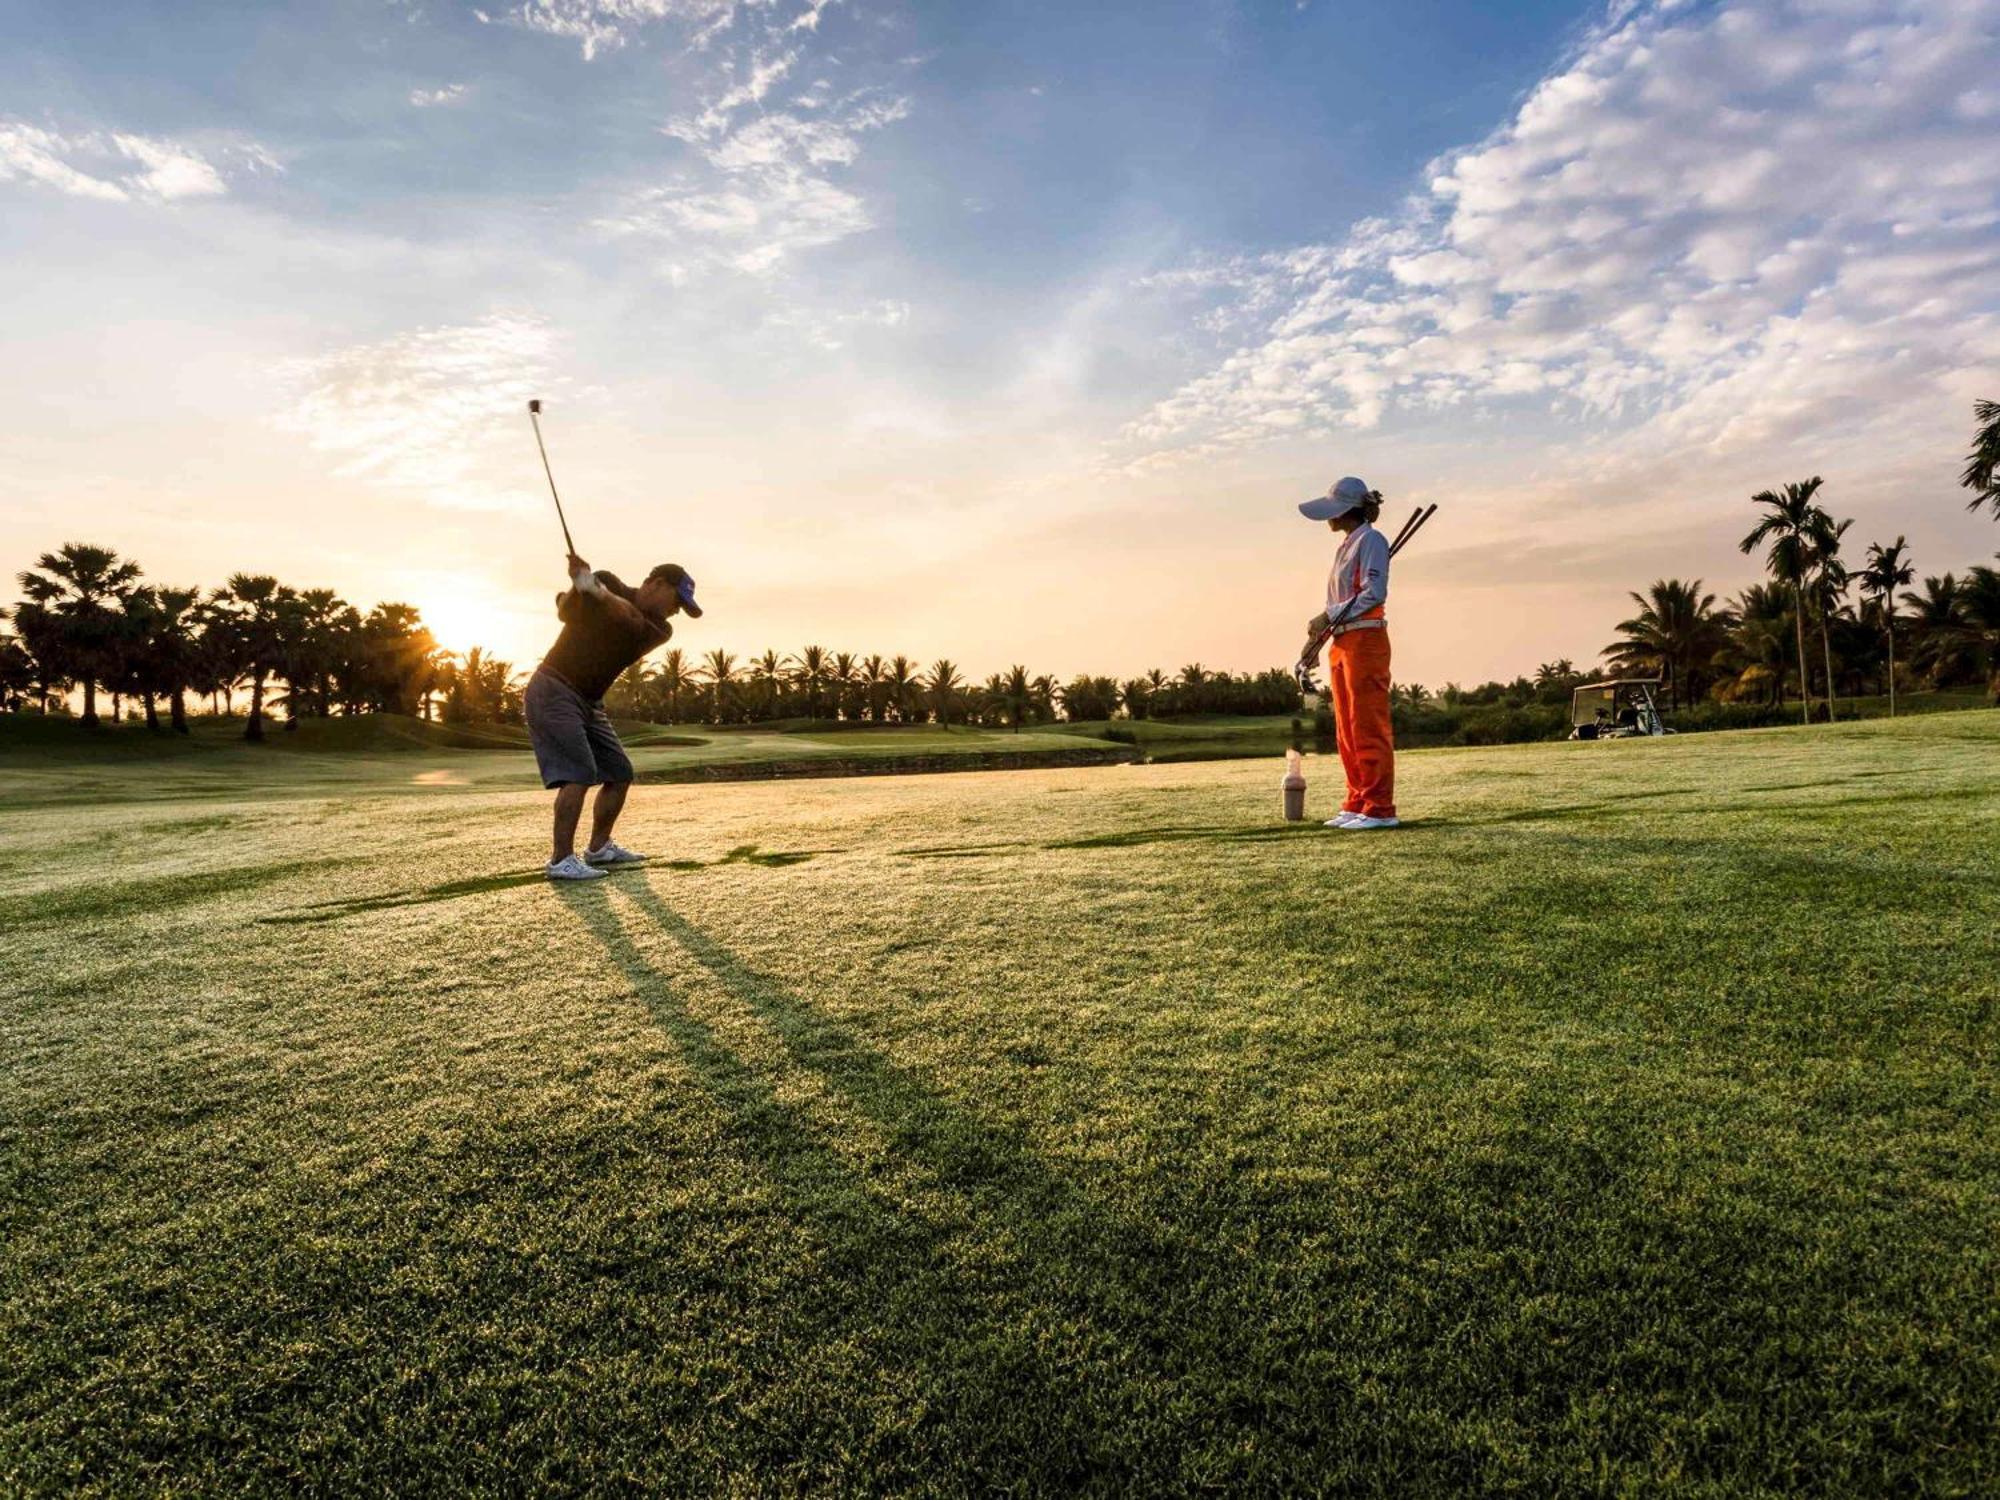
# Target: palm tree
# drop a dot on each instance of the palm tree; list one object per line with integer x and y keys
{"x": 322, "y": 626}
{"x": 671, "y": 679}
{"x": 992, "y": 696}
{"x": 872, "y": 687}
{"x": 809, "y": 672}
{"x": 82, "y": 588}
{"x": 767, "y": 682}
{"x": 174, "y": 648}
{"x": 1980, "y": 611}
{"x": 1887, "y": 572}
{"x": 900, "y": 681}
{"x": 17, "y": 671}
{"x": 943, "y": 687}
{"x": 720, "y": 669}
{"x": 1830, "y": 579}
{"x": 1018, "y": 694}
{"x": 1982, "y": 465}
{"x": 1936, "y": 620}
{"x": 840, "y": 672}
{"x": 1677, "y": 627}
{"x": 1789, "y": 529}
{"x": 1042, "y": 698}
{"x": 254, "y": 605}
{"x": 1754, "y": 653}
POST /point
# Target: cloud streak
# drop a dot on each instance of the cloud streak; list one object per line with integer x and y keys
{"x": 602, "y": 25}
{"x": 415, "y": 413}
{"x": 120, "y": 167}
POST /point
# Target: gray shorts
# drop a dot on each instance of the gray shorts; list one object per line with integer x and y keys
{"x": 573, "y": 738}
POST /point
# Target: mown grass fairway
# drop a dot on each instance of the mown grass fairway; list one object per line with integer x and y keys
{"x": 1625, "y": 1125}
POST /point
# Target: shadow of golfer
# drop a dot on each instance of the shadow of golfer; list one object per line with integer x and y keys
{"x": 1041, "y": 1332}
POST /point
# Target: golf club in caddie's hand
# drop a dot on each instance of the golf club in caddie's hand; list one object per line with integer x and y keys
{"x": 535, "y": 420}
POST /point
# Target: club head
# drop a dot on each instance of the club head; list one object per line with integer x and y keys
{"x": 535, "y": 407}
{"x": 1302, "y": 674}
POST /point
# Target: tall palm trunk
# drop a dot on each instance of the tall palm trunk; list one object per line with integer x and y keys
{"x": 254, "y": 730}
{"x": 1892, "y": 669}
{"x": 1826, "y": 647}
{"x": 177, "y": 708}
{"x": 1799, "y": 620}
{"x": 89, "y": 701}
{"x": 152, "y": 713}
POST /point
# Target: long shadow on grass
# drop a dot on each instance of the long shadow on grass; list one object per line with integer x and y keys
{"x": 452, "y": 890}
{"x": 1028, "y": 1315}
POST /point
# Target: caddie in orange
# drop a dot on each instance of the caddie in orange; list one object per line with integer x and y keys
{"x": 1358, "y": 653}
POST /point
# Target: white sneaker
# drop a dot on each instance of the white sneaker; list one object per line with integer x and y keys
{"x": 1341, "y": 819}
{"x": 612, "y": 854}
{"x": 1358, "y": 822}
{"x": 572, "y": 868}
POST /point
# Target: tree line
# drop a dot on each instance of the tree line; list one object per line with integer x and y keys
{"x": 818, "y": 684}
{"x": 89, "y": 624}
{"x": 1828, "y": 624}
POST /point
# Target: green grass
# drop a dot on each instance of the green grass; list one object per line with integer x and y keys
{"x": 1624, "y": 1125}
{"x": 52, "y": 762}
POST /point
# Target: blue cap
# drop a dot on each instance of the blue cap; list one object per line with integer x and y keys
{"x": 685, "y": 588}
{"x": 683, "y": 584}
{"x": 1349, "y": 494}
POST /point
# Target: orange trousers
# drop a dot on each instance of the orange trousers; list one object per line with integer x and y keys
{"x": 1357, "y": 666}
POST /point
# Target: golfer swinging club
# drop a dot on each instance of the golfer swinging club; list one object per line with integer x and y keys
{"x": 1358, "y": 654}
{"x": 606, "y": 627}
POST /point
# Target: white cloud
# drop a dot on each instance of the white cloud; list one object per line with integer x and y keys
{"x": 447, "y": 94}
{"x": 417, "y": 413}
{"x": 118, "y": 167}
{"x": 601, "y": 25}
{"x": 1726, "y": 224}
{"x": 761, "y": 189}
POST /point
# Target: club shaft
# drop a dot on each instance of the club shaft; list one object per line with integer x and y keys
{"x": 1416, "y": 525}
{"x": 1407, "y": 528}
{"x": 542, "y": 448}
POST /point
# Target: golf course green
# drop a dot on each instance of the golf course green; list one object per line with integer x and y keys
{"x": 1625, "y": 1124}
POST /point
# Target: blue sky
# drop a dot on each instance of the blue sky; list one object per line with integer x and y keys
{"x": 1001, "y": 332}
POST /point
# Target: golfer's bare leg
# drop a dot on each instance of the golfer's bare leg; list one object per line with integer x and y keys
{"x": 569, "y": 808}
{"x": 604, "y": 812}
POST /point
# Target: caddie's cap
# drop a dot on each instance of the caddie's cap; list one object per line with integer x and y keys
{"x": 1346, "y": 495}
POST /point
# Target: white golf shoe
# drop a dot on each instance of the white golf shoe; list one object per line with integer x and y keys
{"x": 573, "y": 868}
{"x": 1358, "y": 822}
{"x": 1341, "y": 819}
{"x": 612, "y": 854}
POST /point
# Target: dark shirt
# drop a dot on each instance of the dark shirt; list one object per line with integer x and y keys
{"x": 598, "y": 642}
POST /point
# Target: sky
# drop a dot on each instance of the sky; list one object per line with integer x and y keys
{"x": 1005, "y": 332}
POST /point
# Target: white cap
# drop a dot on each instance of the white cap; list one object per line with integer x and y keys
{"x": 1340, "y": 498}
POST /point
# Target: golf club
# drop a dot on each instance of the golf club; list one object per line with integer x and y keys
{"x": 535, "y": 419}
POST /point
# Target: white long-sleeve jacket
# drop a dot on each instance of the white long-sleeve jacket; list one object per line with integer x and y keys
{"x": 1358, "y": 586}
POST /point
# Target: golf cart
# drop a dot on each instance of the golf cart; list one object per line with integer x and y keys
{"x": 1620, "y": 710}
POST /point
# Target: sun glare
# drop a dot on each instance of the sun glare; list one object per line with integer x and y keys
{"x": 464, "y": 611}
